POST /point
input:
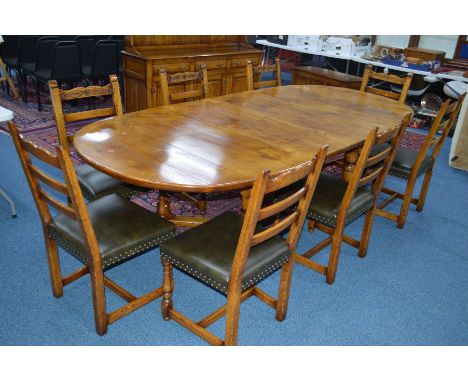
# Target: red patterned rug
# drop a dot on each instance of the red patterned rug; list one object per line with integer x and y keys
{"x": 39, "y": 127}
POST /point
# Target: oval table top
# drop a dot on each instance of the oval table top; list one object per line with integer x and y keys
{"x": 222, "y": 143}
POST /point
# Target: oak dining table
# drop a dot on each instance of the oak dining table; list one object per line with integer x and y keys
{"x": 221, "y": 144}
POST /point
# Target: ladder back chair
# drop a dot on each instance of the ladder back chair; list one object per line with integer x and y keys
{"x": 93, "y": 183}
{"x": 409, "y": 165}
{"x": 337, "y": 203}
{"x": 5, "y": 77}
{"x": 102, "y": 234}
{"x": 189, "y": 81}
{"x": 405, "y": 82}
{"x": 232, "y": 253}
{"x": 254, "y": 74}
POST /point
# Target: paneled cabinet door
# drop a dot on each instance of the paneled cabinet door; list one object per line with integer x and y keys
{"x": 239, "y": 82}
{"x": 215, "y": 83}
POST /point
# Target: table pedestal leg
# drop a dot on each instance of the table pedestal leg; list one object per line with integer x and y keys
{"x": 350, "y": 158}
{"x": 164, "y": 206}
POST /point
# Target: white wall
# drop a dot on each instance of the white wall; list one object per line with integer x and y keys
{"x": 444, "y": 43}
{"x": 398, "y": 41}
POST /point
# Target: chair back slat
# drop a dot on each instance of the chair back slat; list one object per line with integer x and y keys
{"x": 57, "y": 204}
{"x": 89, "y": 114}
{"x": 384, "y": 93}
{"x": 390, "y": 78}
{"x": 189, "y": 94}
{"x": 263, "y": 84}
{"x": 51, "y": 182}
{"x": 282, "y": 205}
{"x": 85, "y": 92}
{"x": 58, "y": 95}
{"x": 254, "y": 74}
{"x": 286, "y": 177}
{"x": 184, "y": 77}
{"x": 372, "y": 160}
{"x": 39, "y": 153}
{"x": 368, "y": 178}
{"x": 274, "y": 229}
{"x": 190, "y": 79}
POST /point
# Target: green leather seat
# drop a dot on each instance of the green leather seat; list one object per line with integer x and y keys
{"x": 327, "y": 199}
{"x": 207, "y": 251}
{"x": 404, "y": 162}
{"x": 122, "y": 228}
{"x": 95, "y": 184}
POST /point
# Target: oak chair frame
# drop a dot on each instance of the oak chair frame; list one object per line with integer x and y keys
{"x": 5, "y": 77}
{"x": 77, "y": 210}
{"x": 369, "y": 170}
{"x": 430, "y": 143}
{"x": 58, "y": 95}
{"x": 405, "y": 82}
{"x": 254, "y": 74}
{"x": 188, "y": 79}
{"x": 264, "y": 183}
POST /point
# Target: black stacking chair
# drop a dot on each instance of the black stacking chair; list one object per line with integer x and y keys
{"x": 44, "y": 57}
{"x": 9, "y": 52}
{"x": 66, "y": 67}
{"x": 105, "y": 61}
{"x": 87, "y": 45}
{"x": 120, "y": 40}
{"x": 26, "y": 55}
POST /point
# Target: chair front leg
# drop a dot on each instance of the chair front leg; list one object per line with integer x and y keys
{"x": 424, "y": 189}
{"x": 99, "y": 299}
{"x": 54, "y": 266}
{"x": 406, "y": 203}
{"x": 232, "y": 316}
{"x": 284, "y": 288}
{"x": 168, "y": 288}
{"x": 334, "y": 256}
{"x": 366, "y": 232}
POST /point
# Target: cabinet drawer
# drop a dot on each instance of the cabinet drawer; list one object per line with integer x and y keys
{"x": 218, "y": 64}
{"x": 242, "y": 62}
{"x": 173, "y": 68}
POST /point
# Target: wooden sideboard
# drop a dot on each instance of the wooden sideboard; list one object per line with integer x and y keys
{"x": 312, "y": 75}
{"x": 225, "y": 57}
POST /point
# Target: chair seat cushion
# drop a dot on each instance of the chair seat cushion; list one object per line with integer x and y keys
{"x": 122, "y": 228}
{"x": 404, "y": 162}
{"x": 95, "y": 184}
{"x": 327, "y": 199}
{"x": 207, "y": 251}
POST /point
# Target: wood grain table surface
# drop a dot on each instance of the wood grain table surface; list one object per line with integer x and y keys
{"x": 222, "y": 143}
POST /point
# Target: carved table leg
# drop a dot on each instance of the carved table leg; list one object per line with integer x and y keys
{"x": 164, "y": 206}
{"x": 351, "y": 158}
{"x": 168, "y": 287}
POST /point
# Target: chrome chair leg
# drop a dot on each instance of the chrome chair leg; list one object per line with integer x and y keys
{"x": 8, "y": 199}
